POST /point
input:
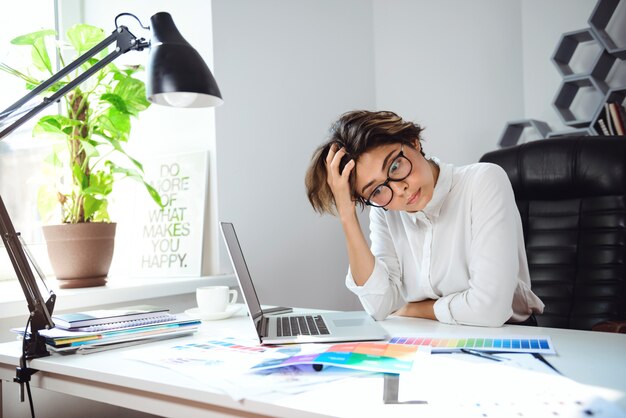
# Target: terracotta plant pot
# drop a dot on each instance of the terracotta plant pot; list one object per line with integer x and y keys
{"x": 80, "y": 254}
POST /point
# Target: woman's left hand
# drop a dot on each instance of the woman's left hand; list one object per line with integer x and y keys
{"x": 422, "y": 309}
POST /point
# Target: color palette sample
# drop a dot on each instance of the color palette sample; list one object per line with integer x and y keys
{"x": 228, "y": 345}
{"x": 375, "y": 357}
{"x": 516, "y": 344}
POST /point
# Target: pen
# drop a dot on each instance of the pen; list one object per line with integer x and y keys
{"x": 547, "y": 363}
{"x": 480, "y": 354}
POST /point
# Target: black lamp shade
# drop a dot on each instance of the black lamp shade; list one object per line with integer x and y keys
{"x": 177, "y": 74}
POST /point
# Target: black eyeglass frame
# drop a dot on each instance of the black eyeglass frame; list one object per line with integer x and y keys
{"x": 368, "y": 201}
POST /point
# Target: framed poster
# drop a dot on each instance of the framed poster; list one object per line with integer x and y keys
{"x": 167, "y": 241}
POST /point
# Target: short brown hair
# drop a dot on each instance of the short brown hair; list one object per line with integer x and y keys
{"x": 357, "y": 131}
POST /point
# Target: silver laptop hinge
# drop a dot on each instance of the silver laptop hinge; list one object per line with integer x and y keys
{"x": 263, "y": 326}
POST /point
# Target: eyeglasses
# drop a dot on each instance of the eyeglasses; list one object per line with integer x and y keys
{"x": 399, "y": 169}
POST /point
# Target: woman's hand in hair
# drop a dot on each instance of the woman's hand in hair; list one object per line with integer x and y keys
{"x": 339, "y": 182}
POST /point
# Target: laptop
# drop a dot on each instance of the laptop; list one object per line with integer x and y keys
{"x": 297, "y": 328}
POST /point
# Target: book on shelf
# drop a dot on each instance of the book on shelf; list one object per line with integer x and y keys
{"x": 97, "y": 320}
{"x": 608, "y": 118}
{"x": 617, "y": 115}
{"x": 621, "y": 112}
{"x": 603, "y": 127}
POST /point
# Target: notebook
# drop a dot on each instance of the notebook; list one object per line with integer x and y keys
{"x": 111, "y": 318}
{"x": 292, "y": 328}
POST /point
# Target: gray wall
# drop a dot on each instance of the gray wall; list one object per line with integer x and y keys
{"x": 543, "y": 23}
{"x": 453, "y": 66}
{"x": 288, "y": 68}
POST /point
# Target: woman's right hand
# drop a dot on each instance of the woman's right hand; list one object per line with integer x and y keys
{"x": 339, "y": 182}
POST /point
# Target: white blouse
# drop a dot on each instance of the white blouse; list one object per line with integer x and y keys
{"x": 465, "y": 249}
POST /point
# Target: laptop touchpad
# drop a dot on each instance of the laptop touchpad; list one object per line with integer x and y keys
{"x": 351, "y": 322}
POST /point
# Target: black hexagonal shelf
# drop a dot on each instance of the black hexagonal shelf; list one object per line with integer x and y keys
{"x": 578, "y": 99}
{"x": 576, "y": 48}
{"x": 514, "y": 131}
{"x": 607, "y": 23}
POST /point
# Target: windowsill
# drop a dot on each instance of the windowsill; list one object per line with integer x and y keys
{"x": 118, "y": 290}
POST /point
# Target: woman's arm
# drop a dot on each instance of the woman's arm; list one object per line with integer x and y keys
{"x": 494, "y": 266}
{"x": 359, "y": 255}
{"x": 422, "y": 309}
{"x": 376, "y": 284}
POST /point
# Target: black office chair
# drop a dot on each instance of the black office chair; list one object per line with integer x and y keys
{"x": 571, "y": 194}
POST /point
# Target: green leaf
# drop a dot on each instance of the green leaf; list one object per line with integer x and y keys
{"x": 83, "y": 37}
{"x": 52, "y": 127}
{"x": 121, "y": 170}
{"x": 129, "y": 70}
{"x": 133, "y": 92}
{"x": 100, "y": 185}
{"x": 94, "y": 196}
{"x": 154, "y": 194}
{"x": 39, "y": 52}
{"x": 115, "y": 123}
{"x": 90, "y": 149}
{"x": 80, "y": 178}
{"x": 90, "y": 206}
{"x": 31, "y": 38}
{"x": 116, "y": 101}
{"x": 102, "y": 213}
{"x": 136, "y": 175}
{"x": 118, "y": 147}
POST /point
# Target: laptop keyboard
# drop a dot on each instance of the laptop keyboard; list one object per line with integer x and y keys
{"x": 288, "y": 326}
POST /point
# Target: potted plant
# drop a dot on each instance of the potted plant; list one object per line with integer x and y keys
{"x": 88, "y": 154}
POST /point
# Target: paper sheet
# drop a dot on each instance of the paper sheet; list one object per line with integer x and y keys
{"x": 522, "y": 386}
{"x": 225, "y": 366}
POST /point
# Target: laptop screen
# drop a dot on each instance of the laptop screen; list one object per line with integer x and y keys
{"x": 241, "y": 270}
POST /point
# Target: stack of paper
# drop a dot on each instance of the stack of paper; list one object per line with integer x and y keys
{"x": 107, "y": 337}
{"x": 65, "y": 340}
{"x": 104, "y": 319}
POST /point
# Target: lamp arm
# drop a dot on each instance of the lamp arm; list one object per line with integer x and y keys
{"x": 126, "y": 41}
{"x": 59, "y": 75}
{"x": 40, "y": 311}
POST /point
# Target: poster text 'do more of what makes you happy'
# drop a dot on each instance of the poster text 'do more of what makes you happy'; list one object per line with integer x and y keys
{"x": 171, "y": 237}
{"x": 167, "y": 225}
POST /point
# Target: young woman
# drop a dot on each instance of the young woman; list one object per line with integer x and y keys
{"x": 446, "y": 242}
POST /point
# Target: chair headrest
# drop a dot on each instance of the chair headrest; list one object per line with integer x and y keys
{"x": 565, "y": 168}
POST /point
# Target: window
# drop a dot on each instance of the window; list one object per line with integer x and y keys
{"x": 20, "y": 155}
{"x": 158, "y": 132}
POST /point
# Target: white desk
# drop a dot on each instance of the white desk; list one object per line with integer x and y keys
{"x": 593, "y": 358}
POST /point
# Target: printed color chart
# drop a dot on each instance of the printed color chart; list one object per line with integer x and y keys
{"x": 375, "y": 357}
{"x": 521, "y": 344}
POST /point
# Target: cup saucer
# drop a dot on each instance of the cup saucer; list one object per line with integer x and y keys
{"x": 213, "y": 316}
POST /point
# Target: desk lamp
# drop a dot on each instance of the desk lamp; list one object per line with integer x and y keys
{"x": 177, "y": 76}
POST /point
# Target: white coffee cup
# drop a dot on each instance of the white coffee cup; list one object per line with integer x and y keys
{"x": 215, "y": 299}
